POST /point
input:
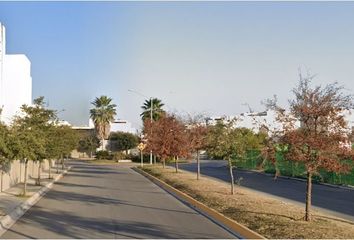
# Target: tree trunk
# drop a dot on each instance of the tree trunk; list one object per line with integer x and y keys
{"x": 176, "y": 164}
{"x": 198, "y": 165}
{"x": 20, "y": 171}
{"x": 57, "y": 165}
{"x": 232, "y": 176}
{"x": 141, "y": 158}
{"x": 277, "y": 172}
{"x": 39, "y": 174}
{"x": 50, "y": 169}
{"x": 308, "y": 197}
{"x": 163, "y": 163}
{"x": 62, "y": 162}
{"x": 102, "y": 144}
{"x": 2, "y": 174}
{"x": 154, "y": 159}
{"x": 25, "y": 180}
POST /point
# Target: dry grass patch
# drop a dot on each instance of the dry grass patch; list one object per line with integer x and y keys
{"x": 268, "y": 216}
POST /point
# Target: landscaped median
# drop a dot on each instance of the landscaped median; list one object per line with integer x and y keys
{"x": 270, "y": 217}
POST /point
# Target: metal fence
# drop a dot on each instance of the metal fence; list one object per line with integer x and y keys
{"x": 253, "y": 161}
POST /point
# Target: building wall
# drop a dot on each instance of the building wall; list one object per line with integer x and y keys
{"x": 15, "y": 81}
{"x": 16, "y": 172}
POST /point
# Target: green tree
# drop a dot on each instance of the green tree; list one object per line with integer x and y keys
{"x": 88, "y": 143}
{"x": 157, "y": 110}
{"x": 61, "y": 141}
{"x": 122, "y": 141}
{"x": 6, "y": 155}
{"x": 30, "y": 134}
{"x": 230, "y": 143}
{"x": 102, "y": 115}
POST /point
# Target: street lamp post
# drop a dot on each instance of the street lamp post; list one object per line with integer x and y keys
{"x": 151, "y": 109}
{"x": 151, "y": 106}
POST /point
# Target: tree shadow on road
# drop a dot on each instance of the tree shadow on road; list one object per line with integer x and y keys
{"x": 54, "y": 224}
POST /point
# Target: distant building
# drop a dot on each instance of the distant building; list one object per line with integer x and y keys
{"x": 15, "y": 81}
{"x": 256, "y": 120}
{"x": 118, "y": 125}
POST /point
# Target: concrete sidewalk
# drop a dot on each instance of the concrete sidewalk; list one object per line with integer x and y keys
{"x": 13, "y": 204}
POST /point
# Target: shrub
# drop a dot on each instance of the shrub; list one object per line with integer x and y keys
{"x": 104, "y": 155}
{"x": 119, "y": 156}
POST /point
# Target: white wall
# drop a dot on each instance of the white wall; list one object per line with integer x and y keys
{"x": 15, "y": 81}
{"x": 16, "y": 85}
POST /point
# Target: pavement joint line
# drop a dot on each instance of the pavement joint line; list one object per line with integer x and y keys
{"x": 211, "y": 213}
{"x": 7, "y": 221}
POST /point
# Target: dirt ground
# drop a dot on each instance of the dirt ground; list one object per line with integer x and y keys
{"x": 268, "y": 216}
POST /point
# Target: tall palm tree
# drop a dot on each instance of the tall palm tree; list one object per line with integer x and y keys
{"x": 102, "y": 115}
{"x": 157, "y": 110}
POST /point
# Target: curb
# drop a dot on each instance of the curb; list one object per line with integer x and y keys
{"x": 10, "y": 219}
{"x": 228, "y": 222}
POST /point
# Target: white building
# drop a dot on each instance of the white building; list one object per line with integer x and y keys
{"x": 118, "y": 125}
{"x": 15, "y": 81}
{"x": 255, "y": 120}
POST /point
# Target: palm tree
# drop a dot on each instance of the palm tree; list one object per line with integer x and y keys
{"x": 102, "y": 115}
{"x": 157, "y": 110}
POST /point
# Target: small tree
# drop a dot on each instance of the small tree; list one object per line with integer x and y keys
{"x": 316, "y": 132}
{"x": 167, "y": 138}
{"x": 30, "y": 134}
{"x": 228, "y": 142}
{"x": 122, "y": 141}
{"x": 6, "y": 155}
{"x": 88, "y": 143}
{"x": 197, "y": 133}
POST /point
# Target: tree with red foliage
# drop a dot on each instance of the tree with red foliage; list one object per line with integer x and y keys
{"x": 167, "y": 138}
{"x": 197, "y": 133}
{"x": 316, "y": 132}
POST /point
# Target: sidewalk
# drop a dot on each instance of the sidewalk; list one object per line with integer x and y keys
{"x": 13, "y": 205}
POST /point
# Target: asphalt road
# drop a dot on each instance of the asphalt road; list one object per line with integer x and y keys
{"x": 97, "y": 201}
{"x": 333, "y": 200}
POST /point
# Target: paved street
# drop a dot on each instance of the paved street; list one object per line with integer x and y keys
{"x": 333, "y": 200}
{"x": 98, "y": 201}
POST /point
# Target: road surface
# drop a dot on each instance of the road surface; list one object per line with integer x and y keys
{"x": 100, "y": 201}
{"x": 332, "y": 200}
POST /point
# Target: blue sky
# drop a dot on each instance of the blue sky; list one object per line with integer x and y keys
{"x": 198, "y": 57}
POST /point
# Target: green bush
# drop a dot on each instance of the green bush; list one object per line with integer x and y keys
{"x": 104, "y": 155}
{"x": 119, "y": 156}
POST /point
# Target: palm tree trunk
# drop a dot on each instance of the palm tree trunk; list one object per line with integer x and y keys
{"x": 232, "y": 176}
{"x": 308, "y": 196}
{"x": 198, "y": 165}
{"x": 25, "y": 180}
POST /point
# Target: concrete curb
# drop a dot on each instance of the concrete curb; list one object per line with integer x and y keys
{"x": 7, "y": 221}
{"x": 227, "y": 222}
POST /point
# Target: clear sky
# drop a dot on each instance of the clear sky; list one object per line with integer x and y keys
{"x": 198, "y": 57}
